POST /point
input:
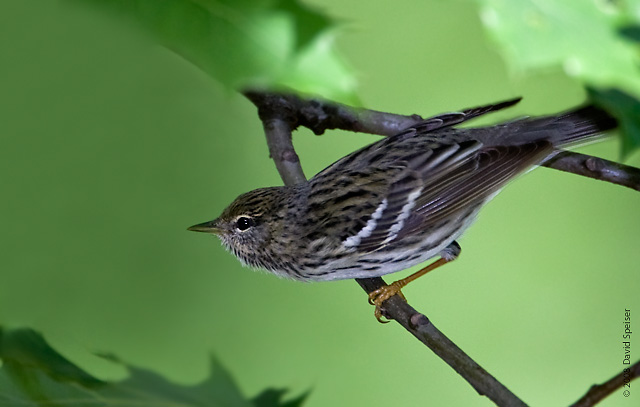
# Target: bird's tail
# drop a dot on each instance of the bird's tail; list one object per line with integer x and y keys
{"x": 582, "y": 125}
{"x": 578, "y": 126}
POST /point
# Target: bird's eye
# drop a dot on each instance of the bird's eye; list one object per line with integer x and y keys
{"x": 243, "y": 223}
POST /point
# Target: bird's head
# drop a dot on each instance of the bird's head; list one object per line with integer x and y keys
{"x": 247, "y": 226}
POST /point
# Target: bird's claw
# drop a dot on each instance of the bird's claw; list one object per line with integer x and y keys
{"x": 380, "y": 295}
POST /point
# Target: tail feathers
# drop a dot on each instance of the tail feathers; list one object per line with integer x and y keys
{"x": 577, "y": 126}
{"x": 582, "y": 125}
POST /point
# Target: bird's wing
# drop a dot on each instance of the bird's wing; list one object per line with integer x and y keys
{"x": 363, "y": 158}
{"x": 408, "y": 185}
{"x": 489, "y": 170}
{"x": 441, "y": 182}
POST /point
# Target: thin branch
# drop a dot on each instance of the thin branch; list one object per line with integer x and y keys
{"x": 597, "y": 392}
{"x": 278, "y": 127}
{"x": 277, "y": 124}
{"x": 597, "y": 168}
{"x": 421, "y": 327}
{"x": 319, "y": 115}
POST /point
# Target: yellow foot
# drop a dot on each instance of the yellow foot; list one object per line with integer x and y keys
{"x": 377, "y": 297}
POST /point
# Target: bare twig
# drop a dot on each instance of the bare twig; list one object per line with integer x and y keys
{"x": 597, "y": 392}
{"x": 597, "y": 168}
{"x": 278, "y": 123}
{"x": 421, "y": 327}
{"x": 320, "y": 115}
{"x": 278, "y": 127}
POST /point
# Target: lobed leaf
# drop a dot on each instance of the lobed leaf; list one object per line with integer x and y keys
{"x": 34, "y": 374}
{"x": 269, "y": 43}
{"x": 594, "y": 41}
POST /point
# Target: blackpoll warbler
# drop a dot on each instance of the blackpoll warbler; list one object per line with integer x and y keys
{"x": 394, "y": 203}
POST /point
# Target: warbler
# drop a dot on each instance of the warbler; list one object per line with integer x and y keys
{"x": 396, "y": 202}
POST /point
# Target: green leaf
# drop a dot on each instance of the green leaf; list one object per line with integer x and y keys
{"x": 627, "y": 109}
{"x": 27, "y": 349}
{"x": 34, "y": 374}
{"x": 308, "y": 23}
{"x": 632, "y": 32}
{"x": 273, "y": 397}
{"x": 594, "y": 41}
{"x": 246, "y": 42}
{"x": 582, "y": 36}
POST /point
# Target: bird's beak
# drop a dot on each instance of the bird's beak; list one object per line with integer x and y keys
{"x": 207, "y": 227}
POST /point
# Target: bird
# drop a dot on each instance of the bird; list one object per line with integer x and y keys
{"x": 396, "y": 202}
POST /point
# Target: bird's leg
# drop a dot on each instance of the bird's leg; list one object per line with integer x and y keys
{"x": 377, "y": 297}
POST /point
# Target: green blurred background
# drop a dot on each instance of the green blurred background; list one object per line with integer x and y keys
{"x": 111, "y": 146}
